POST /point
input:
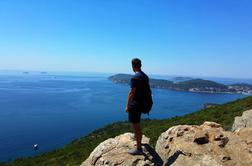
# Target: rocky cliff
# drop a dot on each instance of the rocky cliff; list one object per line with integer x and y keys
{"x": 243, "y": 121}
{"x": 207, "y": 145}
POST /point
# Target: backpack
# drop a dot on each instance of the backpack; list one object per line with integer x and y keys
{"x": 147, "y": 100}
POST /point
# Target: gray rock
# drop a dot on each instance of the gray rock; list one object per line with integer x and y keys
{"x": 204, "y": 145}
{"x": 114, "y": 151}
{"x": 243, "y": 121}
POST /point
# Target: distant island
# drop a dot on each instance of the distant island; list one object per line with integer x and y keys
{"x": 180, "y": 79}
{"x": 191, "y": 85}
{"x": 26, "y": 72}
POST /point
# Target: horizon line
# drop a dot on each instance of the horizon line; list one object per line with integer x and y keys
{"x": 96, "y": 72}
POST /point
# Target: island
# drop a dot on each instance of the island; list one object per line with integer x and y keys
{"x": 191, "y": 85}
{"x": 26, "y": 72}
{"x": 180, "y": 79}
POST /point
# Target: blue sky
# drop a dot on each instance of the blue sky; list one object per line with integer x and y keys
{"x": 172, "y": 37}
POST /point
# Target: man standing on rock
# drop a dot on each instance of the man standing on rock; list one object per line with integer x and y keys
{"x": 138, "y": 83}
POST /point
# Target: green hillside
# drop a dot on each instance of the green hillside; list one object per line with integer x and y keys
{"x": 199, "y": 83}
{"x": 121, "y": 78}
{"x": 78, "y": 150}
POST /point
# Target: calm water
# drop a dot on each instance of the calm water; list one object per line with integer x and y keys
{"x": 53, "y": 110}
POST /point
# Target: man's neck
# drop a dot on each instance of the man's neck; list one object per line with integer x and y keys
{"x": 137, "y": 71}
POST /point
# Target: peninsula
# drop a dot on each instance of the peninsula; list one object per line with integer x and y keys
{"x": 191, "y": 85}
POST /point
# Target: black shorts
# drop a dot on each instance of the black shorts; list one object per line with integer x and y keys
{"x": 134, "y": 116}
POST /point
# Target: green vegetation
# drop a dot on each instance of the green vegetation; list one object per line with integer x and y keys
{"x": 155, "y": 83}
{"x": 199, "y": 83}
{"x": 121, "y": 78}
{"x": 77, "y": 151}
{"x": 180, "y": 79}
{"x": 158, "y": 83}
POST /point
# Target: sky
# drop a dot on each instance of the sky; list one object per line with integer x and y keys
{"x": 171, "y": 37}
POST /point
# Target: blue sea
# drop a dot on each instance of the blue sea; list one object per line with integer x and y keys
{"x": 53, "y": 110}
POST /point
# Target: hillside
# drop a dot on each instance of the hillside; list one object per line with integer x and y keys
{"x": 120, "y": 78}
{"x": 77, "y": 151}
{"x": 154, "y": 83}
{"x": 201, "y": 85}
{"x": 181, "y": 79}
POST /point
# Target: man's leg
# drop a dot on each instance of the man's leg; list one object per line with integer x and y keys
{"x": 134, "y": 118}
{"x": 138, "y": 134}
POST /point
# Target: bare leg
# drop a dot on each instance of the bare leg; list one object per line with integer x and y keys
{"x": 138, "y": 134}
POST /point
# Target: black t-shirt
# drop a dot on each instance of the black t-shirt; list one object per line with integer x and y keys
{"x": 140, "y": 81}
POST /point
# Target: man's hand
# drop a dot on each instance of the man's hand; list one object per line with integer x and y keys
{"x": 126, "y": 109}
{"x": 130, "y": 97}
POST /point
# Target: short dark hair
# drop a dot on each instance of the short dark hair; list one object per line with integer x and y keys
{"x": 136, "y": 63}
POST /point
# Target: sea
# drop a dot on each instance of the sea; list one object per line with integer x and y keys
{"x": 52, "y": 110}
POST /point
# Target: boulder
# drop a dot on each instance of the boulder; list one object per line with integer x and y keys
{"x": 243, "y": 121}
{"x": 206, "y": 145}
{"x": 114, "y": 151}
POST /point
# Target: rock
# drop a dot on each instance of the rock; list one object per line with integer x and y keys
{"x": 207, "y": 144}
{"x": 246, "y": 135}
{"x": 243, "y": 121}
{"x": 201, "y": 137}
{"x": 211, "y": 124}
{"x": 114, "y": 151}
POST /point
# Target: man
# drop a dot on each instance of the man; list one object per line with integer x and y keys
{"x": 135, "y": 105}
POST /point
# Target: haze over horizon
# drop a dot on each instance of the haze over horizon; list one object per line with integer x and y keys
{"x": 202, "y": 38}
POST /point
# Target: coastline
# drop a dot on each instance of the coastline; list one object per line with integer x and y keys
{"x": 246, "y": 94}
{"x": 192, "y": 91}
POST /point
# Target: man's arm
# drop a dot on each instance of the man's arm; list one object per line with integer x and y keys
{"x": 130, "y": 97}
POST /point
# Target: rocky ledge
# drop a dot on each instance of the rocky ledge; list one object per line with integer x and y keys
{"x": 183, "y": 145}
{"x": 114, "y": 151}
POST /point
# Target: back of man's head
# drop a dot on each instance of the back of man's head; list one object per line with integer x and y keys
{"x": 136, "y": 63}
